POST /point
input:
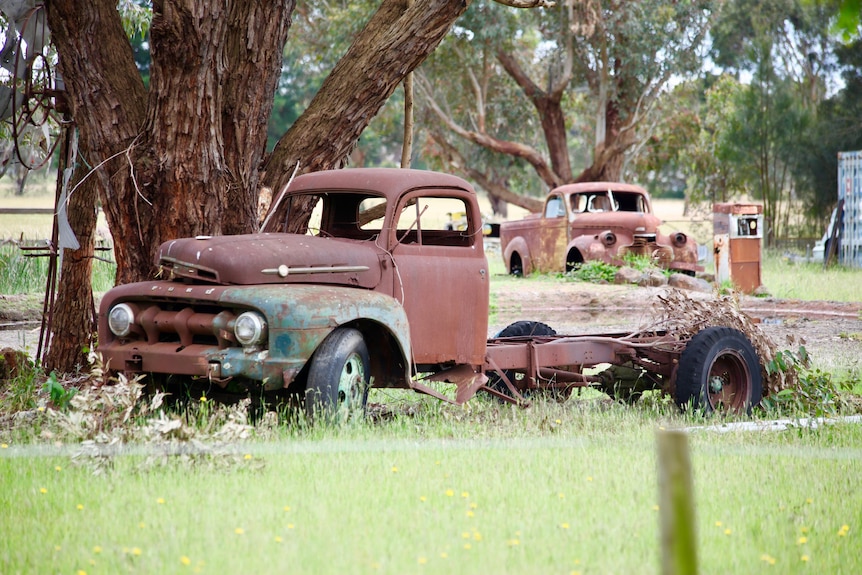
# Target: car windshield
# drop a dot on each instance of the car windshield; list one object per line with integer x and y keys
{"x": 607, "y": 201}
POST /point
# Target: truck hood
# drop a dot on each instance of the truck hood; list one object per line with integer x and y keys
{"x": 272, "y": 258}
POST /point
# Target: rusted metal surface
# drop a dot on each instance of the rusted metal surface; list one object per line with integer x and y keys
{"x": 593, "y": 221}
{"x": 738, "y": 235}
{"x": 186, "y": 330}
{"x": 557, "y": 362}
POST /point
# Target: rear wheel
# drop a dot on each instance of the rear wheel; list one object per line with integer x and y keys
{"x": 517, "y": 329}
{"x": 337, "y": 386}
{"x": 719, "y": 370}
{"x": 516, "y": 266}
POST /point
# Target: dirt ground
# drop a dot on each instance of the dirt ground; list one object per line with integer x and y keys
{"x": 831, "y": 331}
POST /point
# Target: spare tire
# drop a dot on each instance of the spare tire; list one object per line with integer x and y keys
{"x": 517, "y": 329}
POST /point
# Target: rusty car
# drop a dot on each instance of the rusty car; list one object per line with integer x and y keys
{"x": 601, "y": 221}
{"x": 380, "y": 292}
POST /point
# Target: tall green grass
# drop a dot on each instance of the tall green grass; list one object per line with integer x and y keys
{"x": 20, "y": 274}
{"x": 788, "y": 279}
{"x": 559, "y": 489}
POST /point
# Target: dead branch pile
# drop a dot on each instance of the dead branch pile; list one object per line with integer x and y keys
{"x": 683, "y": 316}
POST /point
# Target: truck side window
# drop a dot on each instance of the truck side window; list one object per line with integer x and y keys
{"x": 427, "y": 220}
{"x": 555, "y": 207}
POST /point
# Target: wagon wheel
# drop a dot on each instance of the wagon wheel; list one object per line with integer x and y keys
{"x": 525, "y": 329}
{"x": 337, "y": 386}
{"x": 719, "y": 371}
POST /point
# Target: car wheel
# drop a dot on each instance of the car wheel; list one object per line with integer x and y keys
{"x": 516, "y": 266}
{"x": 719, "y": 370}
{"x": 338, "y": 378}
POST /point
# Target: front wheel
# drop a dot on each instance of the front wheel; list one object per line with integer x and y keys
{"x": 337, "y": 386}
{"x": 719, "y": 370}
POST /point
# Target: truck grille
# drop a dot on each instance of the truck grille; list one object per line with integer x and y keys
{"x": 645, "y": 245}
{"x": 184, "y": 324}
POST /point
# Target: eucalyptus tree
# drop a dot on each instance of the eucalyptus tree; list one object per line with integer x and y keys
{"x": 185, "y": 154}
{"x": 787, "y": 48}
{"x": 568, "y": 92}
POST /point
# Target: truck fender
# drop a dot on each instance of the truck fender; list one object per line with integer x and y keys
{"x": 299, "y": 318}
{"x": 588, "y": 247}
{"x": 518, "y": 245}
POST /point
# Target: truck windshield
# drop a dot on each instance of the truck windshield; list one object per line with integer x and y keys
{"x": 356, "y": 215}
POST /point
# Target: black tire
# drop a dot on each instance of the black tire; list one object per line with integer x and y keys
{"x": 338, "y": 378}
{"x": 517, "y": 329}
{"x": 516, "y": 265}
{"x": 719, "y": 370}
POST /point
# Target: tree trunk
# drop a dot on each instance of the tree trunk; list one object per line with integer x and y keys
{"x": 73, "y": 324}
{"x": 186, "y": 155}
{"x": 393, "y": 43}
{"x": 183, "y": 159}
{"x": 108, "y": 103}
{"x": 551, "y": 115}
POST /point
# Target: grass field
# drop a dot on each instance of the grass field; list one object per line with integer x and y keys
{"x": 556, "y": 489}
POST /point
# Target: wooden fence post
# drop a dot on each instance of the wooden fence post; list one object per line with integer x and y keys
{"x": 676, "y": 505}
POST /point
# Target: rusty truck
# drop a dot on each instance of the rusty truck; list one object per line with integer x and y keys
{"x": 602, "y": 221}
{"x": 379, "y": 291}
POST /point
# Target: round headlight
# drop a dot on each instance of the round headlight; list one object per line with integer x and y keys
{"x": 609, "y": 238}
{"x": 121, "y": 319}
{"x": 678, "y": 239}
{"x": 250, "y": 328}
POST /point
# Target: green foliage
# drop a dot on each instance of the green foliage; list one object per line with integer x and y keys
{"x": 59, "y": 395}
{"x": 320, "y": 35}
{"x": 817, "y": 393}
{"x": 644, "y": 42}
{"x": 642, "y": 263}
{"x": 594, "y": 271}
{"x": 136, "y": 16}
{"x": 848, "y": 19}
{"x": 20, "y": 390}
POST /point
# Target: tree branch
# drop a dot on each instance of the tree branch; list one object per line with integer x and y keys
{"x": 527, "y": 3}
{"x": 518, "y": 150}
{"x": 454, "y": 158}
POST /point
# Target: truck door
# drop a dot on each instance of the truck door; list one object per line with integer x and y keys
{"x": 553, "y": 235}
{"x": 441, "y": 276}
